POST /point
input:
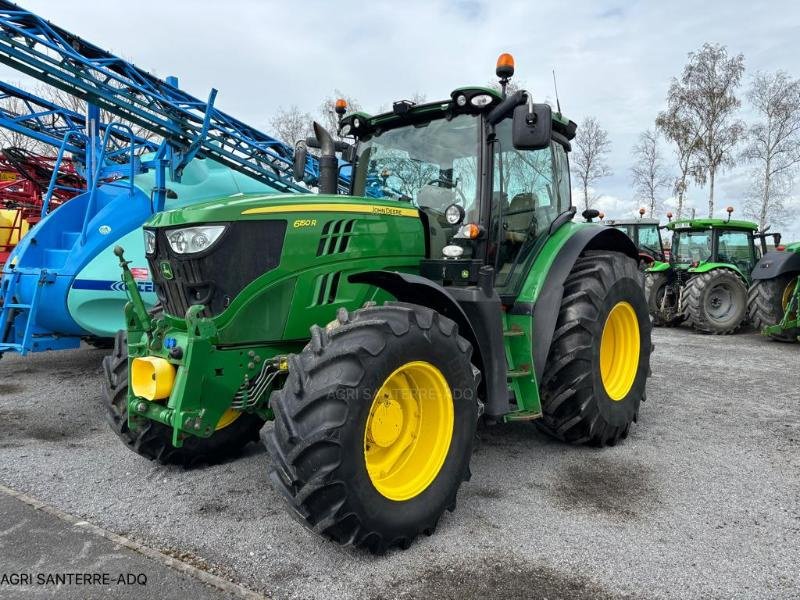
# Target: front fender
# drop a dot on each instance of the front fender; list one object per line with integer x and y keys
{"x": 484, "y": 332}
{"x": 774, "y": 264}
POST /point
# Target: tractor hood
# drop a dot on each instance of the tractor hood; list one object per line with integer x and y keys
{"x": 303, "y": 206}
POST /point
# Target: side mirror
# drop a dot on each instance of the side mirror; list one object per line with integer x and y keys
{"x": 299, "y": 164}
{"x": 532, "y": 126}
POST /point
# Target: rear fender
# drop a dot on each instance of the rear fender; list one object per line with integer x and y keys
{"x": 547, "y": 304}
{"x": 711, "y": 266}
{"x": 658, "y": 267}
{"x": 775, "y": 264}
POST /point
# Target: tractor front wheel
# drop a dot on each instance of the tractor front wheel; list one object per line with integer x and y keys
{"x": 656, "y": 286}
{"x": 767, "y": 302}
{"x": 374, "y": 427}
{"x": 154, "y": 440}
{"x": 599, "y": 360}
{"x": 715, "y": 302}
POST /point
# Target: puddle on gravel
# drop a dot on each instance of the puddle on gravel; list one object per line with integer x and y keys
{"x": 616, "y": 488}
{"x": 483, "y": 492}
{"x": 16, "y": 423}
{"x": 6, "y": 389}
{"x": 495, "y": 577}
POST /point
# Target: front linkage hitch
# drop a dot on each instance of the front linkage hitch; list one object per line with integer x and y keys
{"x": 250, "y": 372}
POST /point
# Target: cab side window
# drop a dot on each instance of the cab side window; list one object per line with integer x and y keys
{"x": 525, "y": 200}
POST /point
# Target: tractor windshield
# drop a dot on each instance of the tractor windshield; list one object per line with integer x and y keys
{"x": 432, "y": 165}
{"x": 650, "y": 239}
{"x": 691, "y": 246}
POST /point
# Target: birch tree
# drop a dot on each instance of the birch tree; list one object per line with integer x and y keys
{"x": 678, "y": 131}
{"x": 648, "y": 172}
{"x": 589, "y": 165}
{"x": 704, "y": 99}
{"x": 773, "y": 143}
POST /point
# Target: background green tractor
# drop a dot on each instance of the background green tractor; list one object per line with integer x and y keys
{"x": 774, "y": 297}
{"x": 501, "y": 306}
{"x": 645, "y": 234}
{"x": 705, "y": 281}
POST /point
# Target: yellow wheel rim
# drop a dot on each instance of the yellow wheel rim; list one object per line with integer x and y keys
{"x": 228, "y": 417}
{"x": 619, "y": 351}
{"x": 787, "y": 293}
{"x": 408, "y": 431}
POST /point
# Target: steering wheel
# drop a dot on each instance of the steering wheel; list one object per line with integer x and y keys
{"x": 444, "y": 183}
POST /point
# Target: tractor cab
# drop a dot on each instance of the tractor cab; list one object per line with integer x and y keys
{"x": 489, "y": 176}
{"x": 705, "y": 242}
{"x": 646, "y": 234}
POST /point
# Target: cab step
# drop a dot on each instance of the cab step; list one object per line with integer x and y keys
{"x": 523, "y": 371}
{"x": 513, "y": 332}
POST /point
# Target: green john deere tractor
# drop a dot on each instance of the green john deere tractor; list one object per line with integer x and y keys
{"x": 450, "y": 284}
{"x": 705, "y": 281}
{"x": 774, "y": 297}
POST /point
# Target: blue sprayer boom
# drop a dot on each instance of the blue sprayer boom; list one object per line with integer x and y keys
{"x": 61, "y": 283}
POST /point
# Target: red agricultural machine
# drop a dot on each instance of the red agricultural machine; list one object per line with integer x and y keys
{"x": 24, "y": 180}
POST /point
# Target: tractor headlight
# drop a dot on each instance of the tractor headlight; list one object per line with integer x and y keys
{"x": 454, "y": 214}
{"x": 481, "y": 100}
{"x": 149, "y": 242}
{"x": 189, "y": 240}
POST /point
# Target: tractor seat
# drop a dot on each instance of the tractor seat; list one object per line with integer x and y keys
{"x": 520, "y": 214}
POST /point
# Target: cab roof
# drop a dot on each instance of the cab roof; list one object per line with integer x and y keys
{"x": 699, "y": 224}
{"x": 476, "y": 100}
{"x": 642, "y": 221}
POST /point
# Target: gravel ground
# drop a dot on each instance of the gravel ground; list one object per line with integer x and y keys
{"x": 701, "y": 501}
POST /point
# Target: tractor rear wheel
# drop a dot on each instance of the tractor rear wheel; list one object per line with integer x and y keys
{"x": 599, "y": 361}
{"x": 655, "y": 287}
{"x": 715, "y": 302}
{"x": 767, "y": 301}
{"x": 374, "y": 427}
{"x": 154, "y": 440}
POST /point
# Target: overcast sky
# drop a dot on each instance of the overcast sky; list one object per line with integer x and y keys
{"x": 614, "y": 60}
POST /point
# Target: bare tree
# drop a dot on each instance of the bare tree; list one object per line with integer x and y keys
{"x": 679, "y": 131}
{"x": 705, "y": 98}
{"x": 291, "y": 124}
{"x": 327, "y": 115}
{"x": 589, "y": 157}
{"x": 773, "y": 146}
{"x": 12, "y": 139}
{"x": 78, "y": 105}
{"x": 513, "y": 86}
{"x": 648, "y": 171}
{"x": 416, "y": 98}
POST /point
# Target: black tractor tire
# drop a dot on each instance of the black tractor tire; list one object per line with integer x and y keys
{"x": 765, "y": 304}
{"x": 654, "y": 286}
{"x": 154, "y": 440}
{"x": 101, "y": 343}
{"x": 715, "y": 302}
{"x": 576, "y": 407}
{"x": 318, "y": 442}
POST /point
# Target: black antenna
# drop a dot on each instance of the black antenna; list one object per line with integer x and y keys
{"x": 555, "y": 86}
